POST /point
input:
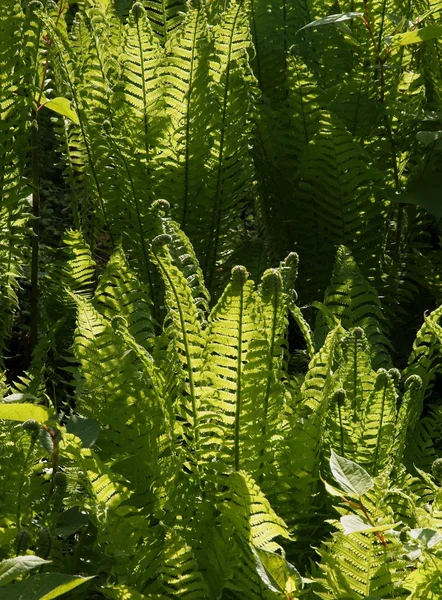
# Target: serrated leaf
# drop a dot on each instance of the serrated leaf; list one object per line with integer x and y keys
{"x": 23, "y": 412}
{"x": 11, "y": 568}
{"x": 352, "y": 478}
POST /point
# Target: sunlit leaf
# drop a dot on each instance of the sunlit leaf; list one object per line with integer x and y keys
{"x": 23, "y": 412}
{"x": 332, "y": 19}
{"x": 11, "y": 568}
{"x": 352, "y": 478}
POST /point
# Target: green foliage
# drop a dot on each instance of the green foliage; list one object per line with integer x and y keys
{"x": 171, "y": 424}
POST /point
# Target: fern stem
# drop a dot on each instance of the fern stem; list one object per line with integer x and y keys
{"x": 255, "y": 38}
{"x": 186, "y": 348}
{"x": 139, "y": 219}
{"x": 143, "y": 82}
{"x": 341, "y": 429}
{"x": 270, "y": 360}
{"x": 379, "y": 436}
{"x": 22, "y": 481}
{"x": 189, "y": 96}
{"x": 215, "y": 225}
{"x": 239, "y": 374}
{"x": 35, "y": 231}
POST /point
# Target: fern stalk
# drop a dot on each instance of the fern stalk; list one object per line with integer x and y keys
{"x": 186, "y": 346}
{"x": 242, "y": 276}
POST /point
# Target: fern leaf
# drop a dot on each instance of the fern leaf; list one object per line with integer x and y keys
{"x": 119, "y": 293}
{"x": 264, "y": 393}
{"x": 179, "y": 571}
{"x": 185, "y": 75}
{"x": 141, "y": 61}
{"x": 252, "y": 526}
{"x": 186, "y": 339}
{"x": 355, "y": 302}
{"x": 165, "y": 16}
{"x": 229, "y": 336}
{"x": 335, "y": 193}
{"x": 124, "y": 391}
{"x": 230, "y": 166}
{"x": 379, "y": 425}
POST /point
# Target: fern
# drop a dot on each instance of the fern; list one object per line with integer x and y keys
{"x": 186, "y": 74}
{"x": 165, "y": 16}
{"x": 335, "y": 194}
{"x": 230, "y": 166}
{"x": 356, "y": 304}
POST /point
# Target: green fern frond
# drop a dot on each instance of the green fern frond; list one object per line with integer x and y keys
{"x": 335, "y": 191}
{"x": 269, "y": 25}
{"x": 230, "y": 166}
{"x": 425, "y": 582}
{"x": 140, "y": 61}
{"x": 252, "y": 525}
{"x": 250, "y": 514}
{"x": 379, "y": 425}
{"x": 356, "y": 304}
{"x": 263, "y": 389}
{"x": 179, "y": 573}
{"x": 184, "y": 257}
{"x": 186, "y": 75}
{"x": 165, "y": 16}
{"x": 19, "y": 45}
{"x": 185, "y": 337}
{"x": 121, "y": 388}
{"x": 230, "y": 335}
{"x": 357, "y": 565}
{"x": 120, "y": 293}
{"x": 424, "y": 359}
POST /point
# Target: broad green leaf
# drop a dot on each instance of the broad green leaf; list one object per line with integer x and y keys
{"x": 71, "y": 521}
{"x": 23, "y": 412}
{"x": 331, "y": 19}
{"x": 19, "y": 397}
{"x": 419, "y": 35}
{"x": 429, "y": 537}
{"x": 62, "y": 106}
{"x": 426, "y": 193}
{"x": 278, "y": 574}
{"x": 352, "y": 478}
{"x": 356, "y": 524}
{"x": 45, "y": 586}
{"x": 87, "y": 430}
{"x": 11, "y": 568}
{"x": 332, "y": 490}
{"x": 429, "y": 137}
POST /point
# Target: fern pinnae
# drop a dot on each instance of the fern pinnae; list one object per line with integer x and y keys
{"x": 231, "y": 166}
{"x": 185, "y": 72}
{"x": 240, "y": 274}
{"x": 170, "y": 274}
{"x": 136, "y": 200}
{"x": 67, "y": 62}
{"x": 141, "y": 61}
{"x": 275, "y": 322}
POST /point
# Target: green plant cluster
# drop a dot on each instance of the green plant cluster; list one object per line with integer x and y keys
{"x": 174, "y": 424}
